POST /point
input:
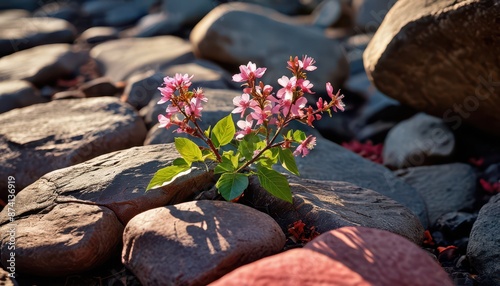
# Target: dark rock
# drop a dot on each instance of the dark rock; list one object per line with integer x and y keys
{"x": 45, "y": 137}
{"x": 29, "y": 5}
{"x": 328, "y": 205}
{"x": 187, "y": 12}
{"x": 422, "y": 56}
{"x": 17, "y": 94}
{"x": 43, "y": 64}
{"x": 99, "y": 87}
{"x": 122, "y": 15}
{"x": 225, "y": 36}
{"x": 116, "y": 12}
{"x": 456, "y": 225}
{"x": 206, "y": 239}
{"x": 369, "y": 14}
{"x": 289, "y": 7}
{"x": 327, "y": 13}
{"x": 444, "y": 188}
{"x": 97, "y": 35}
{"x": 123, "y": 58}
{"x": 113, "y": 185}
{"x": 371, "y": 252}
{"x": 61, "y": 10}
{"x": 420, "y": 140}
{"x": 155, "y": 25}
{"x": 25, "y": 33}
{"x": 66, "y": 239}
{"x": 483, "y": 251}
{"x": 6, "y": 279}
{"x": 355, "y": 46}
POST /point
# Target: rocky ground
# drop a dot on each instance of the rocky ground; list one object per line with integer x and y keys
{"x": 403, "y": 188}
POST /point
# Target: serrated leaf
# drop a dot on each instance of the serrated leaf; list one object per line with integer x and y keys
{"x": 223, "y": 131}
{"x": 167, "y": 175}
{"x": 188, "y": 150}
{"x": 299, "y": 136}
{"x": 288, "y": 161}
{"x": 275, "y": 183}
{"x": 232, "y": 185}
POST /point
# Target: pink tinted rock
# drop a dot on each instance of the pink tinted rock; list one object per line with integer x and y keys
{"x": 380, "y": 257}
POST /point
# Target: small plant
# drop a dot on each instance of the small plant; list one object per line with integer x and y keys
{"x": 260, "y": 142}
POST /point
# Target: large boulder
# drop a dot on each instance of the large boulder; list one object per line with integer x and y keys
{"x": 440, "y": 57}
{"x": 236, "y": 33}
{"x": 71, "y": 219}
{"x": 44, "y": 137}
{"x": 204, "y": 240}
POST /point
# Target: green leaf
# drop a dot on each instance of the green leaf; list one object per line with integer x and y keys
{"x": 288, "y": 161}
{"x": 247, "y": 145}
{"x": 275, "y": 183}
{"x": 232, "y": 185}
{"x": 223, "y": 131}
{"x": 166, "y": 175}
{"x": 229, "y": 163}
{"x": 269, "y": 157}
{"x": 207, "y": 154}
{"x": 299, "y": 136}
{"x": 188, "y": 149}
{"x": 181, "y": 162}
{"x": 207, "y": 132}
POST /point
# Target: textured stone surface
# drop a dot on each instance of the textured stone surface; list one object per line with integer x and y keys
{"x": 440, "y": 57}
{"x": 24, "y": 32}
{"x": 420, "y": 140}
{"x": 122, "y": 58}
{"x": 17, "y": 94}
{"x": 99, "y": 87}
{"x": 5, "y": 278}
{"x": 43, "y": 64}
{"x": 483, "y": 251}
{"x": 66, "y": 204}
{"x": 203, "y": 240}
{"x": 40, "y": 138}
{"x": 226, "y": 36}
{"x": 329, "y": 161}
{"x": 69, "y": 238}
{"x": 444, "y": 188}
{"x": 330, "y": 205}
{"x": 380, "y": 257}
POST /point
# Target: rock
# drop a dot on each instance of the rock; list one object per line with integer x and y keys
{"x": 420, "y": 140}
{"x": 327, "y": 13}
{"x": 45, "y": 137}
{"x": 219, "y": 105}
{"x": 422, "y": 56}
{"x": 97, "y": 35}
{"x": 444, "y": 188}
{"x": 141, "y": 88}
{"x": 25, "y": 33}
{"x": 115, "y": 12}
{"x": 61, "y": 10}
{"x": 328, "y": 205}
{"x": 371, "y": 252}
{"x": 455, "y": 226}
{"x": 6, "y": 279}
{"x": 99, "y": 87}
{"x": 44, "y": 64}
{"x": 223, "y": 36}
{"x": 68, "y": 94}
{"x": 70, "y": 238}
{"x": 111, "y": 185}
{"x": 290, "y": 7}
{"x": 17, "y": 94}
{"x": 483, "y": 251}
{"x": 123, "y": 58}
{"x": 156, "y": 24}
{"x": 369, "y": 14}
{"x": 29, "y": 5}
{"x": 188, "y": 12}
{"x": 206, "y": 239}
{"x": 122, "y": 15}
{"x": 331, "y": 162}
{"x": 355, "y": 46}
{"x": 346, "y": 256}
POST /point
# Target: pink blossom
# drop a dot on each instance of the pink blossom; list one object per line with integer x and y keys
{"x": 336, "y": 98}
{"x": 171, "y": 109}
{"x": 166, "y": 94}
{"x": 249, "y": 72}
{"x": 261, "y": 115}
{"x": 177, "y": 82}
{"x": 289, "y": 85}
{"x": 307, "y": 63}
{"x": 164, "y": 121}
{"x": 242, "y": 102}
{"x": 245, "y": 126}
{"x": 305, "y": 85}
{"x": 296, "y": 108}
{"x": 194, "y": 108}
{"x": 321, "y": 104}
{"x": 198, "y": 93}
{"x": 305, "y": 146}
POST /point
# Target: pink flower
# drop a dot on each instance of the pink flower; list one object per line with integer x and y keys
{"x": 177, "y": 82}
{"x": 194, "y": 108}
{"x": 249, "y": 72}
{"x": 307, "y": 63}
{"x": 305, "y": 85}
{"x": 164, "y": 121}
{"x": 261, "y": 115}
{"x": 245, "y": 126}
{"x": 289, "y": 85}
{"x": 198, "y": 93}
{"x": 166, "y": 94}
{"x": 321, "y": 104}
{"x": 336, "y": 98}
{"x": 241, "y": 102}
{"x": 305, "y": 146}
{"x": 296, "y": 108}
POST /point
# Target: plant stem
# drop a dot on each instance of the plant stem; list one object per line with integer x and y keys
{"x": 208, "y": 141}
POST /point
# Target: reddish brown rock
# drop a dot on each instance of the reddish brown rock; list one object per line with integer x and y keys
{"x": 17, "y": 94}
{"x": 380, "y": 257}
{"x": 69, "y": 238}
{"x": 197, "y": 242}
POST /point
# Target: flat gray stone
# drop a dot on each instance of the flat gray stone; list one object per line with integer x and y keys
{"x": 17, "y": 94}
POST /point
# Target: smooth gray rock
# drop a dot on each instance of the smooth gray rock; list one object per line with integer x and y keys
{"x": 17, "y": 94}
{"x": 369, "y": 14}
{"x": 206, "y": 239}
